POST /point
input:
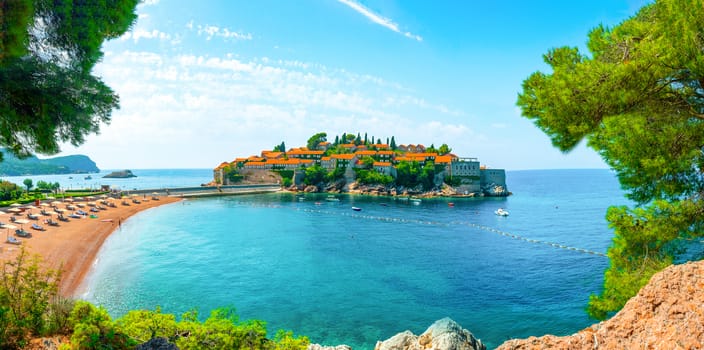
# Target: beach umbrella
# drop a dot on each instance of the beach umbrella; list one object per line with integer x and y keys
{"x": 69, "y": 199}
{"x": 44, "y": 204}
{"x": 15, "y": 205}
{"x": 55, "y": 203}
{"x": 21, "y": 222}
{"x": 50, "y": 197}
{"x": 14, "y": 210}
{"x": 90, "y": 197}
{"x": 104, "y": 196}
{"x": 30, "y": 207}
{"x": 9, "y": 227}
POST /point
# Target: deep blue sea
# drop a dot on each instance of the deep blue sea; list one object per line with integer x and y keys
{"x": 341, "y": 276}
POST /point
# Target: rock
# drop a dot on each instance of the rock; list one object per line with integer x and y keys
{"x": 120, "y": 174}
{"x": 157, "y": 344}
{"x": 444, "y": 334}
{"x": 494, "y": 190}
{"x": 311, "y": 189}
{"x": 321, "y": 347}
{"x": 667, "y": 313}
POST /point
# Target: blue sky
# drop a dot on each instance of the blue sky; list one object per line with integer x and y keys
{"x": 205, "y": 82}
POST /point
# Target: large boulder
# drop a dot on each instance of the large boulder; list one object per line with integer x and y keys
{"x": 444, "y": 334}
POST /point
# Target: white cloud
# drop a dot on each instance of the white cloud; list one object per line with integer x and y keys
{"x": 378, "y": 19}
{"x": 228, "y": 107}
{"x": 210, "y": 32}
{"x": 139, "y": 33}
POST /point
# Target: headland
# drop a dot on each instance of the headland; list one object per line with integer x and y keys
{"x": 366, "y": 166}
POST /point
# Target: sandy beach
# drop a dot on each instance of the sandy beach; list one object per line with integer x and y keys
{"x": 74, "y": 245}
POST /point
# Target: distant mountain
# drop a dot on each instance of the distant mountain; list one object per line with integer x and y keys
{"x": 75, "y": 164}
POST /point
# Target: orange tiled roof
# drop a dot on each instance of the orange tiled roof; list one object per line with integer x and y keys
{"x": 380, "y": 145}
{"x": 237, "y": 160}
{"x": 222, "y": 165}
{"x": 301, "y": 152}
{"x": 255, "y": 159}
{"x": 325, "y": 158}
{"x": 348, "y": 145}
{"x": 443, "y": 159}
{"x": 347, "y": 156}
{"x": 381, "y": 153}
{"x": 292, "y": 161}
{"x": 382, "y": 164}
{"x": 271, "y": 154}
{"x": 365, "y": 153}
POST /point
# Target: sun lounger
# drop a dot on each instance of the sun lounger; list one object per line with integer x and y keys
{"x": 22, "y": 233}
{"x": 38, "y": 227}
{"x": 13, "y": 240}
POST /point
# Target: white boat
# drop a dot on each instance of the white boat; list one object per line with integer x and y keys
{"x": 416, "y": 201}
{"x": 501, "y": 212}
{"x": 332, "y": 199}
{"x": 356, "y": 209}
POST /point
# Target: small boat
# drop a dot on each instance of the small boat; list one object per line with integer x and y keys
{"x": 88, "y": 177}
{"x": 501, "y": 212}
{"x": 356, "y": 209}
{"x": 450, "y": 204}
{"x": 13, "y": 240}
{"x": 415, "y": 201}
{"x": 70, "y": 177}
{"x": 332, "y": 199}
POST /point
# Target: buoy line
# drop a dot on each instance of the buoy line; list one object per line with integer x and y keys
{"x": 463, "y": 223}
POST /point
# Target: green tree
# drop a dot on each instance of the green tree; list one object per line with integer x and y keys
{"x": 280, "y": 148}
{"x": 314, "y": 175}
{"x": 47, "y": 51}
{"x": 431, "y": 149}
{"x": 393, "y": 143}
{"x": 28, "y": 183}
{"x": 315, "y": 140}
{"x": 638, "y": 100}
{"x": 26, "y": 295}
{"x": 407, "y": 173}
{"x": 444, "y": 149}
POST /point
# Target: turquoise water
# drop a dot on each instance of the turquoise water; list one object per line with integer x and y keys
{"x": 339, "y": 276}
{"x": 146, "y": 179}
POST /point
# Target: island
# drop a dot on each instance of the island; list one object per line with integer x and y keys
{"x": 122, "y": 174}
{"x": 353, "y": 164}
{"x": 73, "y": 164}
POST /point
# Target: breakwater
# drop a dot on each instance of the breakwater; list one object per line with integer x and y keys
{"x": 206, "y": 191}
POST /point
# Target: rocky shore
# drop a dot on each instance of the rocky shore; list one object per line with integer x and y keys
{"x": 392, "y": 191}
{"x": 668, "y": 313}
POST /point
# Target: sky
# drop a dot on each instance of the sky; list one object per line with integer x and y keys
{"x": 209, "y": 81}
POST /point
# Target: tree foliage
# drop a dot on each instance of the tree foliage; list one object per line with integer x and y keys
{"x": 27, "y": 292}
{"x": 638, "y": 100}
{"x": 47, "y": 51}
{"x": 315, "y": 140}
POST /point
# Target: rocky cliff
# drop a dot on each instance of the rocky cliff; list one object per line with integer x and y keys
{"x": 668, "y": 313}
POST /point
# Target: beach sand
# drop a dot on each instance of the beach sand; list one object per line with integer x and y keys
{"x": 73, "y": 245}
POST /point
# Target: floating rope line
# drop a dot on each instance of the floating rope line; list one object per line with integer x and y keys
{"x": 463, "y": 223}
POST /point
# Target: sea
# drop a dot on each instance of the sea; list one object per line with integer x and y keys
{"x": 339, "y": 276}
